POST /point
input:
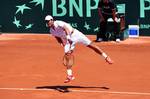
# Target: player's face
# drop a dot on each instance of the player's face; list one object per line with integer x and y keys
{"x": 50, "y": 23}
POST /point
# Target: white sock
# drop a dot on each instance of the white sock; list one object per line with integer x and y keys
{"x": 69, "y": 72}
{"x": 104, "y": 55}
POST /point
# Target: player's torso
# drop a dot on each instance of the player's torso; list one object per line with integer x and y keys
{"x": 58, "y": 29}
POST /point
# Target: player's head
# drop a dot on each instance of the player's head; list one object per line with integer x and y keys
{"x": 49, "y": 20}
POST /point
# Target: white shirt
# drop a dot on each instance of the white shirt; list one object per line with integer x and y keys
{"x": 58, "y": 29}
{"x": 76, "y": 36}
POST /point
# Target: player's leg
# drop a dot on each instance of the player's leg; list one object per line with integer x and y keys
{"x": 116, "y": 31}
{"x": 103, "y": 27}
{"x": 81, "y": 38}
{"x": 100, "y": 52}
{"x": 68, "y": 61}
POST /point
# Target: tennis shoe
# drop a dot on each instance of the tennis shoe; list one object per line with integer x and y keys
{"x": 69, "y": 78}
{"x": 108, "y": 60}
{"x": 118, "y": 40}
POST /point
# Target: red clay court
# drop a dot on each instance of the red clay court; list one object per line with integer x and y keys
{"x": 31, "y": 68}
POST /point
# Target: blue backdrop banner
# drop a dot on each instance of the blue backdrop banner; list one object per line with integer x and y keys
{"x": 27, "y": 16}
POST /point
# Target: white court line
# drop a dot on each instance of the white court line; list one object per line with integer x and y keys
{"x": 82, "y": 91}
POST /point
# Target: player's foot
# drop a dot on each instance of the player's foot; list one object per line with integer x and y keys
{"x": 69, "y": 78}
{"x": 108, "y": 60}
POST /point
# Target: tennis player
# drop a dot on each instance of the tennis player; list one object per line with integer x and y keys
{"x": 68, "y": 36}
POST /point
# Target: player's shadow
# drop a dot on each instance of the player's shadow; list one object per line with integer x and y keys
{"x": 65, "y": 89}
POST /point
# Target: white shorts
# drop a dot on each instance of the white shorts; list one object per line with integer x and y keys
{"x": 76, "y": 37}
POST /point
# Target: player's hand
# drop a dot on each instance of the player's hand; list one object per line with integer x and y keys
{"x": 108, "y": 60}
{"x": 116, "y": 20}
